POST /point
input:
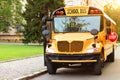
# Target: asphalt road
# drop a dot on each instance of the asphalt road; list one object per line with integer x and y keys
{"x": 111, "y": 71}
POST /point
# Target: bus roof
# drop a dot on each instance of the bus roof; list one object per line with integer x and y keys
{"x": 80, "y": 10}
{"x": 76, "y": 11}
{"x": 109, "y": 18}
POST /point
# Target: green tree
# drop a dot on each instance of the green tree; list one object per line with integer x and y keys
{"x": 35, "y": 10}
{"x": 114, "y": 11}
{"x": 10, "y": 13}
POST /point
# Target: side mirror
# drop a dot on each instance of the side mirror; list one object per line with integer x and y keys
{"x": 45, "y": 32}
{"x": 94, "y": 31}
{"x": 49, "y": 19}
{"x": 44, "y": 27}
{"x": 44, "y": 19}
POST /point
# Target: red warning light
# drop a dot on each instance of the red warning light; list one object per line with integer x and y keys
{"x": 57, "y": 13}
{"x": 91, "y": 11}
{"x": 61, "y": 12}
{"x": 94, "y": 11}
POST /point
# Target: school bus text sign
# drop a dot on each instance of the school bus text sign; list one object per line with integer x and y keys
{"x": 76, "y": 11}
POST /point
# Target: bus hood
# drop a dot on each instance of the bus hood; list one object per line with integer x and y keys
{"x": 72, "y": 36}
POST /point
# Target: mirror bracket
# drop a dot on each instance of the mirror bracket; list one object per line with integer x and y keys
{"x": 94, "y": 32}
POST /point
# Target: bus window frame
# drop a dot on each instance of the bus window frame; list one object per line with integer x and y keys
{"x": 101, "y": 23}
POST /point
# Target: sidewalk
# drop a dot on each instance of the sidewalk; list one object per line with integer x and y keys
{"x": 19, "y": 69}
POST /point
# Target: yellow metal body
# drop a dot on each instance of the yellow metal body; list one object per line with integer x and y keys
{"x": 75, "y": 40}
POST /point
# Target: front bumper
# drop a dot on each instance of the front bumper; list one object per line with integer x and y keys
{"x": 75, "y": 58}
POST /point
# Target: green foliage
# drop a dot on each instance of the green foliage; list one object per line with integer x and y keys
{"x": 10, "y": 13}
{"x": 4, "y": 26}
{"x": 114, "y": 13}
{"x": 35, "y": 10}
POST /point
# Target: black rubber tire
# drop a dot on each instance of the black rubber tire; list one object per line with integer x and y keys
{"x": 112, "y": 56}
{"x": 51, "y": 67}
{"x": 98, "y": 67}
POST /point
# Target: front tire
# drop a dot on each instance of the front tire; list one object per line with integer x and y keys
{"x": 112, "y": 56}
{"x": 98, "y": 67}
{"x": 51, "y": 67}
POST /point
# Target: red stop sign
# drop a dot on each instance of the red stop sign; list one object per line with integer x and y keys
{"x": 113, "y": 37}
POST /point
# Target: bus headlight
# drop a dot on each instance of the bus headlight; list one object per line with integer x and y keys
{"x": 92, "y": 50}
{"x": 49, "y": 50}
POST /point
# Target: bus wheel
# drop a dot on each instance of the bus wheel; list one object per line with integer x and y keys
{"x": 98, "y": 67}
{"x": 51, "y": 67}
{"x": 111, "y": 56}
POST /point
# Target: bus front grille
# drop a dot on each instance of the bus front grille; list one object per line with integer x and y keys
{"x": 63, "y": 46}
{"x": 74, "y": 46}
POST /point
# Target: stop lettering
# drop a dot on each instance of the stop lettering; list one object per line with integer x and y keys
{"x": 113, "y": 37}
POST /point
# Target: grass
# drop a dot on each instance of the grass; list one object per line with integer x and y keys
{"x": 10, "y": 52}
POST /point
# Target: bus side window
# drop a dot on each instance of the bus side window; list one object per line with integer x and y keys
{"x": 108, "y": 24}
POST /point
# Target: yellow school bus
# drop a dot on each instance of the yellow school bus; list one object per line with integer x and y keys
{"x": 78, "y": 35}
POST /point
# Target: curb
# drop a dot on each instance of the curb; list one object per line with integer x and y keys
{"x": 32, "y": 75}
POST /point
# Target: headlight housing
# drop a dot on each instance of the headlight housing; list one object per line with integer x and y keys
{"x": 49, "y": 50}
{"x": 92, "y": 50}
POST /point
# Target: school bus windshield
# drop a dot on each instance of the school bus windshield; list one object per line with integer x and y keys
{"x": 77, "y": 23}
